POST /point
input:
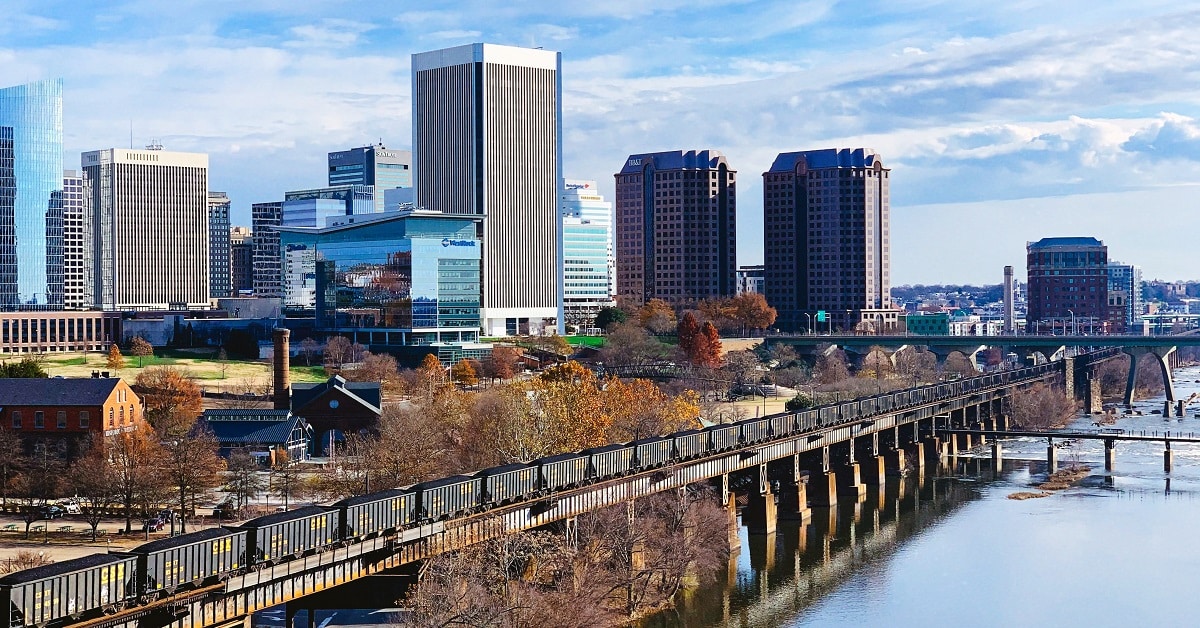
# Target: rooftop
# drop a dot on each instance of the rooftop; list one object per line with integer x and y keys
{"x": 826, "y": 158}
{"x": 676, "y": 160}
{"x": 1046, "y": 243}
{"x": 57, "y": 391}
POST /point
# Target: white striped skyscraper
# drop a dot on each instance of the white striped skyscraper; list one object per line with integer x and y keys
{"x": 147, "y": 222}
{"x": 487, "y": 140}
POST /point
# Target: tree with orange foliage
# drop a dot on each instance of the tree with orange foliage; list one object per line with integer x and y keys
{"x": 688, "y": 333}
{"x": 172, "y": 400}
{"x": 657, "y": 316}
{"x": 463, "y": 373}
{"x": 431, "y": 373}
{"x": 639, "y": 409}
{"x": 708, "y": 347}
{"x": 502, "y": 363}
{"x": 751, "y": 310}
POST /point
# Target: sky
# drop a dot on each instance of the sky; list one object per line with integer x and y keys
{"x": 1002, "y": 123}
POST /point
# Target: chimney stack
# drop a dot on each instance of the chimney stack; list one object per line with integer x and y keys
{"x": 282, "y": 380}
{"x": 1010, "y": 322}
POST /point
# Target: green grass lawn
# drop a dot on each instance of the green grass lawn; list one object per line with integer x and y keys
{"x": 208, "y": 372}
{"x": 586, "y": 341}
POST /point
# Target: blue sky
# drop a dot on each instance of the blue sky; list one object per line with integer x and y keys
{"x": 1002, "y": 122}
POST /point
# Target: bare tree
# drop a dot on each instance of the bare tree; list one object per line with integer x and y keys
{"x": 1041, "y": 407}
{"x": 308, "y": 347}
{"x": 94, "y": 479}
{"x": 193, "y": 467}
{"x": 137, "y": 460}
{"x": 242, "y": 480}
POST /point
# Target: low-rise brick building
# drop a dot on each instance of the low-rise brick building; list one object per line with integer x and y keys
{"x": 70, "y": 411}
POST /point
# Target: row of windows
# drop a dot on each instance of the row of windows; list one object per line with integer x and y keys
{"x": 39, "y": 419}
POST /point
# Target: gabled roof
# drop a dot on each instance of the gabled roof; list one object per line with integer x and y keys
{"x": 367, "y": 393}
{"x": 56, "y": 391}
{"x": 251, "y": 426}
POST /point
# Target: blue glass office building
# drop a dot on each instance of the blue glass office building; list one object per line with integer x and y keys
{"x": 31, "y": 197}
{"x": 393, "y": 280}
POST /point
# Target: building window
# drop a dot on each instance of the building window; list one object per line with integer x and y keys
{"x": 16, "y": 419}
{"x": 122, "y": 422}
{"x": 84, "y": 419}
{"x": 111, "y": 412}
{"x": 62, "y": 419}
{"x": 39, "y": 420}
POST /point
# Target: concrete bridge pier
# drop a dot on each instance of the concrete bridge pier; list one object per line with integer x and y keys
{"x": 1166, "y": 409}
{"x": 874, "y": 471}
{"x": 1051, "y": 455}
{"x": 1163, "y": 357}
{"x": 1179, "y": 412}
{"x": 997, "y": 455}
{"x": 850, "y": 482}
{"x": 735, "y": 541}
{"x": 1110, "y": 454}
{"x": 760, "y": 514}
{"x": 824, "y": 489}
{"x": 1168, "y": 458}
{"x": 1094, "y": 401}
{"x": 793, "y": 502}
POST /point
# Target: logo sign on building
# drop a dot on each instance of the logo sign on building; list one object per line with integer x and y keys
{"x": 449, "y": 242}
{"x": 821, "y": 316}
{"x": 635, "y": 162}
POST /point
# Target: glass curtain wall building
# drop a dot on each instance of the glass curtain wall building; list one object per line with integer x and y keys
{"x": 407, "y": 281}
{"x": 31, "y": 196}
{"x": 315, "y": 208}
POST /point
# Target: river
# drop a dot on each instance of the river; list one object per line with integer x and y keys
{"x": 1117, "y": 549}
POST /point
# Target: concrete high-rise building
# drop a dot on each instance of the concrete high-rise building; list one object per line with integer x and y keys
{"x": 372, "y": 165}
{"x": 31, "y": 202}
{"x": 241, "y": 261}
{"x": 75, "y": 247}
{"x": 588, "y": 259}
{"x": 147, "y": 222}
{"x": 268, "y": 263}
{"x": 827, "y": 257}
{"x": 1068, "y": 285}
{"x": 487, "y": 141}
{"x": 219, "y": 277}
{"x": 1125, "y": 301}
{"x": 676, "y": 227}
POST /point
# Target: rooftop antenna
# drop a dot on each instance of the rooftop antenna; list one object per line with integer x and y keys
{"x": 154, "y": 145}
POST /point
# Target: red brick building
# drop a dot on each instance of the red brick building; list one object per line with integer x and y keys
{"x": 71, "y": 410}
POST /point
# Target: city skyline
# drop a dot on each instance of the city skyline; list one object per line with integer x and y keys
{"x": 1061, "y": 119}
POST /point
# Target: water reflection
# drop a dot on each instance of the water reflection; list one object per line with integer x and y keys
{"x": 1113, "y": 549}
{"x": 775, "y": 577}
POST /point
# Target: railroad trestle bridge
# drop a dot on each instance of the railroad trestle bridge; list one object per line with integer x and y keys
{"x": 805, "y": 460}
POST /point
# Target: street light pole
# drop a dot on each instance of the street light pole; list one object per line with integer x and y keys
{"x": 1072, "y": 313}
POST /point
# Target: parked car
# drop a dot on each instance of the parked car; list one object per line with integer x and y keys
{"x": 154, "y": 525}
{"x": 51, "y": 511}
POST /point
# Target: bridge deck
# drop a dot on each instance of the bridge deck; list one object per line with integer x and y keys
{"x": 1154, "y": 436}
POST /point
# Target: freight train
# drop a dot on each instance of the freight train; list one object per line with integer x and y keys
{"x": 101, "y": 584}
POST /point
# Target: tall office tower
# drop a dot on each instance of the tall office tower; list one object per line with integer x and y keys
{"x": 582, "y": 200}
{"x": 487, "y": 141}
{"x": 241, "y": 261}
{"x": 1124, "y": 298}
{"x": 826, "y": 241}
{"x": 31, "y": 203}
{"x": 676, "y": 219}
{"x": 372, "y": 165}
{"x": 218, "y": 245}
{"x": 147, "y": 221}
{"x": 1010, "y": 305}
{"x": 1068, "y": 285}
{"x": 75, "y": 296}
{"x": 268, "y": 263}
